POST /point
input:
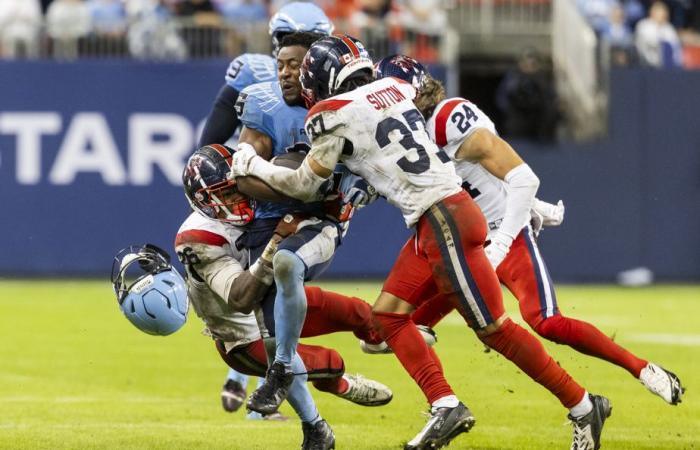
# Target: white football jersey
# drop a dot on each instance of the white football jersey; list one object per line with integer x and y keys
{"x": 207, "y": 249}
{"x": 452, "y": 122}
{"x": 383, "y": 139}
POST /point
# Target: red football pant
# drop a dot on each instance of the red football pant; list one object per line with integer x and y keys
{"x": 448, "y": 255}
{"x": 324, "y": 366}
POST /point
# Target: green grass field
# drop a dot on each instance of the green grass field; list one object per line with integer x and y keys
{"x": 74, "y": 374}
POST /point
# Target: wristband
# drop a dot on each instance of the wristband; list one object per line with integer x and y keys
{"x": 262, "y": 272}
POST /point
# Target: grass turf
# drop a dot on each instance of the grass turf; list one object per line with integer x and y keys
{"x": 74, "y": 374}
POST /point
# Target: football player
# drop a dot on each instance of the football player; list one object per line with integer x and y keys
{"x": 488, "y": 166}
{"x": 223, "y": 121}
{"x": 223, "y": 293}
{"x": 375, "y": 129}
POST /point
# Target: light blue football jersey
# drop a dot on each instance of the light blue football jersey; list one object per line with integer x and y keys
{"x": 250, "y": 68}
{"x": 262, "y": 108}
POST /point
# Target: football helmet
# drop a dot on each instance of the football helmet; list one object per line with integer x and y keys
{"x": 329, "y": 63}
{"x": 298, "y": 16}
{"x": 209, "y": 189}
{"x": 150, "y": 292}
{"x": 402, "y": 67}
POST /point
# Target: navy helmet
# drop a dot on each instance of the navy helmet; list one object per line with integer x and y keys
{"x": 402, "y": 67}
{"x": 210, "y": 191}
{"x": 150, "y": 291}
{"x": 330, "y": 62}
{"x": 298, "y": 16}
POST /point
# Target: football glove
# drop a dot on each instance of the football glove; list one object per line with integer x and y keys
{"x": 356, "y": 191}
{"x": 545, "y": 214}
{"x": 497, "y": 248}
{"x": 241, "y": 160}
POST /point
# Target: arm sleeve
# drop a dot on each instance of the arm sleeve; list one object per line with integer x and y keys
{"x": 302, "y": 183}
{"x": 522, "y": 187}
{"x": 223, "y": 120}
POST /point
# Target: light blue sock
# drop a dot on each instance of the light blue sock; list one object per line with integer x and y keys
{"x": 290, "y": 304}
{"x": 238, "y": 377}
{"x": 261, "y": 381}
{"x": 299, "y": 395}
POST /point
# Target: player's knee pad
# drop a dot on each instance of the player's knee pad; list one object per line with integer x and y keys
{"x": 288, "y": 268}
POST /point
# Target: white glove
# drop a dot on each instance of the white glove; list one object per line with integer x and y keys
{"x": 240, "y": 165}
{"x": 545, "y": 214}
{"x": 498, "y": 248}
{"x": 356, "y": 191}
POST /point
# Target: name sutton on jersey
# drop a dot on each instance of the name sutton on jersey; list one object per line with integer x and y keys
{"x": 386, "y": 97}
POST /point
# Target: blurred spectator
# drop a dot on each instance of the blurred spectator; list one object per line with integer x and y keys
{"x": 527, "y": 99}
{"x": 153, "y": 34}
{"x": 369, "y": 23}
{"x": 201, "y": 28}
{"x": 619, "y": 38}
{"x": 243, "y": 12}
{"x": 634, "y": 12}
{"x": 108, "y": 17}
{"x": 656, "y": 40}
{"x": 597, "y": 12}
{"x": 20, "y": 22}
{"x": 425, "y": 21}
{"x": 67, "y": 21}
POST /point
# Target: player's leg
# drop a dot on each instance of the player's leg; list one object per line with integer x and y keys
{"x": 451, "y": 234}
{"x": 432, "y": 311}
{"x": 330, "y": 312}
{"x": 525, "y": 274}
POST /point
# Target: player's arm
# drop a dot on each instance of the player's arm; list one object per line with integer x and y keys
{"x": 498, "y": 158}
{"x": 223, "y": 120}
{"x": 302, "y": 183}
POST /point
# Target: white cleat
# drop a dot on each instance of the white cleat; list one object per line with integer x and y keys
{"x": 428, "y": 334}
{"x": 663, "y": 383}
{"x": 366, "y": 392}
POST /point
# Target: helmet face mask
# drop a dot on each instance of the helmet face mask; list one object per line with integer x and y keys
{"x": 209, "y": 190}
{"x": 150, "y": 292}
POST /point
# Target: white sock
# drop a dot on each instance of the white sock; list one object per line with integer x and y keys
{"x": 349, "y": 384}
{"x": 582, "y": 408}
{"x": 448, "y": 401}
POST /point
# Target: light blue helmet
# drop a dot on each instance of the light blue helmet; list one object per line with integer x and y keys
{"x": 298, "y": 16}
{"x": 151, "y": 293}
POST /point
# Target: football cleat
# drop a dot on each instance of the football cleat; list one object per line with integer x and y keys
{"x": 318, "y": 436}
{"x": 267, "y": 398}
{"x": 587, "y": 429}
{"x": 366, "y": 392}
{"x": 663, "y": 383}
{"x": 444, "y": 424}
{"x": 232, "y": 396}
{"x": 429, "y": 336}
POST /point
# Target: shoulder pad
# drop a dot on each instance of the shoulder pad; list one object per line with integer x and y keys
{"x": 250, "y": 68}
{"x": 256, "y": 103}
{"x": 324, "y": 117}
{"x": 200, "y": 246}
{"x": 456, "y": 119}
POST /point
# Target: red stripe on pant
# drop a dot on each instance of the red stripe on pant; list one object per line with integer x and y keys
{"x": 324, "y": 366}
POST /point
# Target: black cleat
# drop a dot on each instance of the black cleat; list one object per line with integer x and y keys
{"x": 267, "y": 398}
{"x": 318, "y": 436}
{"x": 587, "y": 429}
{"x": 232, "y": 396}
{"x": 443, "y": 425}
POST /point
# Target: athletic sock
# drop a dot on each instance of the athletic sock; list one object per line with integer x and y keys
{"x": 448, "y": 401}
{"x": 523, "y": 349}
{"x": 290, "y": 304}
{"x": 238, "y": 377}
{"x": 330, "y": 312}
{"x": 582, "y": 408}
{"x": 587, "y": 339}
{"x": 337, "y": 385}
{"x": 401, "y": 334}
{"x": 432, "y": 311}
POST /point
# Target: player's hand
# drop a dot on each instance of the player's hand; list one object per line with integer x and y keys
{"x": 498, "y": 248}
{"x": 545, "y": 214}
{"x": 356, "y": 191}
{"x": 240, "y": 164}
{"x": 288, "y": 225}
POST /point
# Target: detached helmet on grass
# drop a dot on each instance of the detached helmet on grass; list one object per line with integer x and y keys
{"x": 298, "y": 16}
{"x": 150, "y": 292}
